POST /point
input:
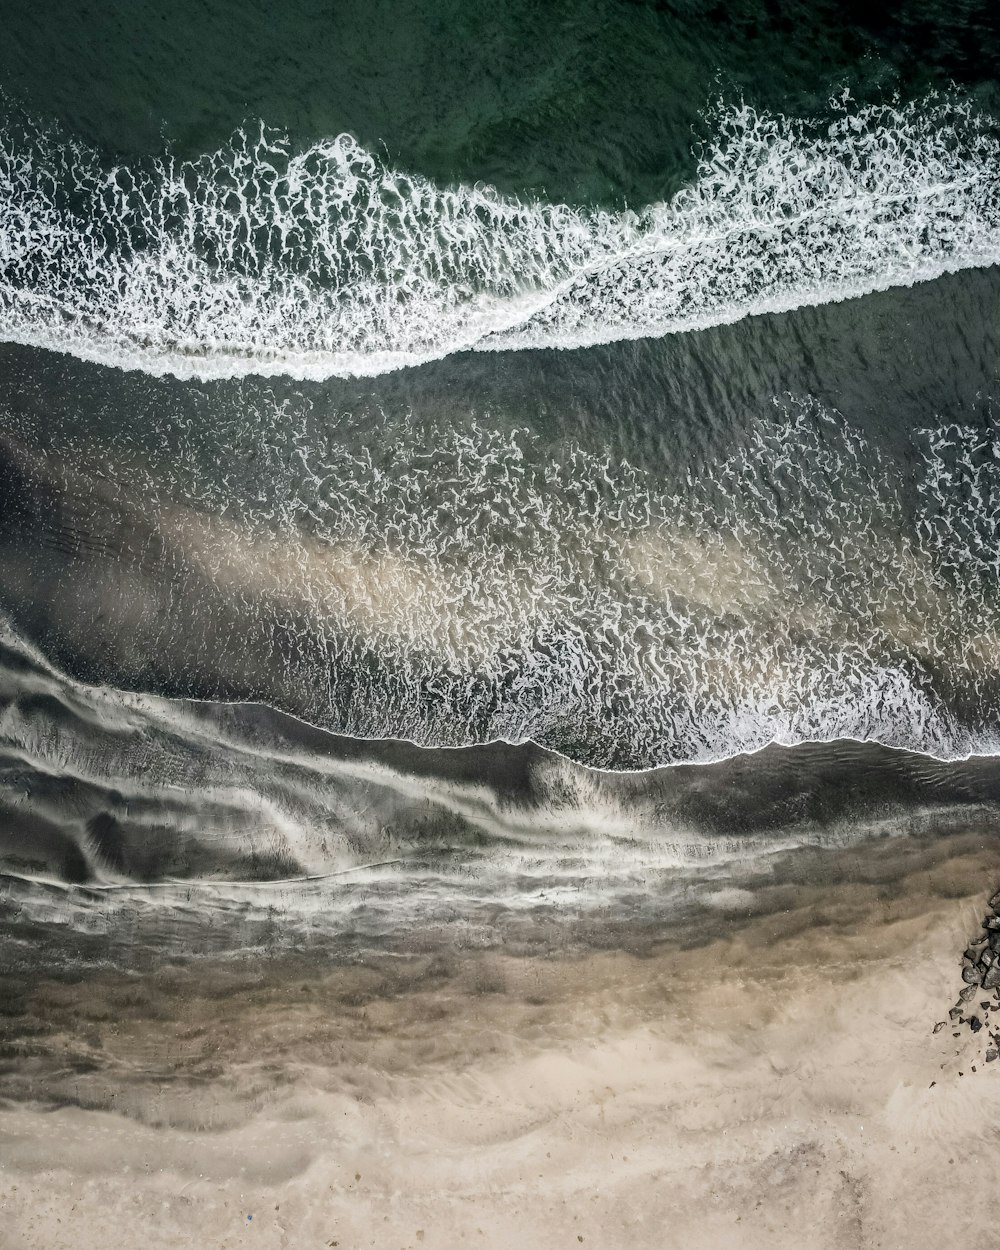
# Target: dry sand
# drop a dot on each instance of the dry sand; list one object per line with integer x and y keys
{"x": 777, "y": 1086}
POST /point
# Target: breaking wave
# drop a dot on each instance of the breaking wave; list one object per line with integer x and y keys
{"x": 259, "y": 260}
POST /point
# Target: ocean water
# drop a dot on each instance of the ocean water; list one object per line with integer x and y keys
{"x": 613, "y": 399}
{"x": 476, "y": 482}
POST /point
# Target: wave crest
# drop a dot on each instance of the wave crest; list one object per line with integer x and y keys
{"x": 258, "y": 260}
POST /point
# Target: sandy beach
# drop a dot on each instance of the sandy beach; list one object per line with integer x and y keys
{"x": 777, "y": 1085}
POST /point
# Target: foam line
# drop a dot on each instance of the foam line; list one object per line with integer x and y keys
{"x": 259, "y": 260}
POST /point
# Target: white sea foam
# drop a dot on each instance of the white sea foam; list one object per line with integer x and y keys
{"x": 258, "y": 260}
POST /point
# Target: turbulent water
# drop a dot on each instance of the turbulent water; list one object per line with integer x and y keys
{"x": 265, "y": 260}
{"x": 285, "y": 439}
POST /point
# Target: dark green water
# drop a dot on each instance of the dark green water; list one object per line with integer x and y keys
{"x": 572, "y": 100}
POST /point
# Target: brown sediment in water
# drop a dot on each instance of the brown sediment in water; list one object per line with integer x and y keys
{"x": 776, "y": 1084}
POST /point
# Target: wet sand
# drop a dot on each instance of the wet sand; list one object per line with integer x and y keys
{"x": 776, "y": 1084}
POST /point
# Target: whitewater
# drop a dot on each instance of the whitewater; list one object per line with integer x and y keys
{"x": 260, "y": 260}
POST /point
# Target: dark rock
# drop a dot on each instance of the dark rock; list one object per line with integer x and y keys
{"x": 991, "y": 922}
{"x": 995, "y": 942}
{"x": 939, "y": 1026}
{"x": 955, "y": 1013}
{"x": 968, "y": 993}
{"x": 987, "y": 958}
{"x": 991, "y": 1054}
{"x": 992, "y": 978}
{"x": 975, "y": 1024}
{"x": 995, "y": 901}
{"x": 973, "y": 977}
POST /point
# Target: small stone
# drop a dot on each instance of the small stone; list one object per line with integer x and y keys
{"x": 968, "y": 993}
{"x": 986, "y": 958}
{"x": 984, "y": 1005}
{"x": 992, "y": 978}
{"x": 973, "y": 977}
{"x": 991, "y": 1054}
{"x": 939, "y": 1026}
{"x": 991, "y": 922}
{"x": 975, "y": 1024}
{"x": 995, "y": 942}
{"x": 955, "y": 1013}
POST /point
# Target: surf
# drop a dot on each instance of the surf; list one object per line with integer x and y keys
{"x": 260, "y": 260}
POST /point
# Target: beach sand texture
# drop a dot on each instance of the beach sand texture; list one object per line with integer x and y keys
{"x": 778, "y": 1085}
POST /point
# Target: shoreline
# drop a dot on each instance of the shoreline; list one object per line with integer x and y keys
{"x": 777, "y": 1082}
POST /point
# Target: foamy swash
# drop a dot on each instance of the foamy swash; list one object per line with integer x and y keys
{"x": 458, "y": 587}
{"x": 254, "y": 259}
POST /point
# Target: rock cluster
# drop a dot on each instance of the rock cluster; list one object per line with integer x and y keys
{"x": 981, "y": 961}
{"x": 980, "y": 972}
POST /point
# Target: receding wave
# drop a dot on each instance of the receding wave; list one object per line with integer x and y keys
{"x": 256, "y": 259}
{"x": 130, "y": 823}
